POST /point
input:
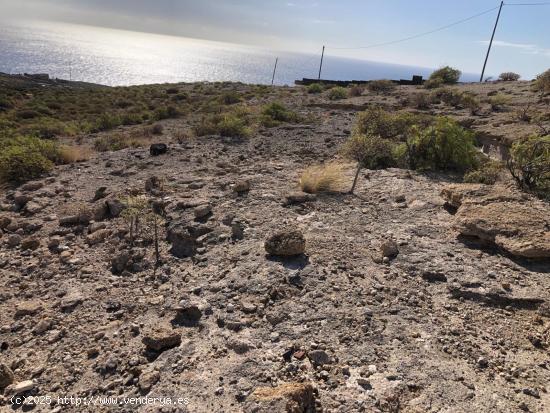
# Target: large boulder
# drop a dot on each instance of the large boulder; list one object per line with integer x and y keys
{"x": 286, "y": 243}
{"x": 285, "y": 398}
{"x": 497, "y": 216}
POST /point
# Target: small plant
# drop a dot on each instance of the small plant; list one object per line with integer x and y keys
{"x": 446, "y": 75}
{"x": 443, "y": 146}
{"x": 487, "y": 173}
{"x": 322, "y": 178}
{"x": 433, "y": 83}
{"x": 315, "y": 88}
{"x": 529, "y": 164}
{"x": 542, "y": 82}
{"x": 355, "y": 91}
{"x": 381, "y": 86}
{"x": 337, "y": 93}
{"x": 471, "y": 102}
{"x": 275, "y": 113}
{"x": 369, "y": 151}
{"x": 376, "y": 121}
{"x": 157, "y": 129}
{"x": 230, "y": 98}
{"x": 71, "y": 154}
{"x": 498, "y": 102}
{"x": 26, "y": 158}
{"x": 420, "y": 100}
{"x": 229, "y": 124}
{"x": 509, "y": 77}
{"x": 117, "y": 142}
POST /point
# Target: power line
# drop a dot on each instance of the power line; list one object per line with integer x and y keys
{"x": 527, "y": 4}
{"x": 420, "y": 34}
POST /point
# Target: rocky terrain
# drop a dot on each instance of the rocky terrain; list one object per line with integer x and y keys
{"x": 417, "y": 294}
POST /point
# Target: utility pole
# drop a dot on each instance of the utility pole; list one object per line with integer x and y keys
{"x": 274, "y": 70}
{"x": 491, "y": 42}
{"x": 321, "y": 65}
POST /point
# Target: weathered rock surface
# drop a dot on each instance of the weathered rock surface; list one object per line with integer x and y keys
{"x": 286, "y": 243}
{"x": 515, "y": 223}
{"x": 285, "y": 398}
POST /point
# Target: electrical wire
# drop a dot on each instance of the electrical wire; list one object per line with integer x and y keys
{"x": 417, "y": 35}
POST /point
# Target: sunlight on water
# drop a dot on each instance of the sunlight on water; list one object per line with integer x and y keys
{"x": 118, "y": 57}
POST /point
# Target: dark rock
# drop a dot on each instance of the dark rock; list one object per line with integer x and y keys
{"x": 157, "y": 149}
{"x": 286, "y": 243}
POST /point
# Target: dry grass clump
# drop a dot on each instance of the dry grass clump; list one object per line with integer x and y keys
{"x": 328, "y": 177}
{"x": 71, "y": 154}
{"x": 117, "y": 142}
{"x": 381, "y": 86}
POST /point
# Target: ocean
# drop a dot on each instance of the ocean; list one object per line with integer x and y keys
{"x": 120, "y": 58}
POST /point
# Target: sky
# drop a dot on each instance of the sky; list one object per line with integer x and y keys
{"x": 522, "y": 41}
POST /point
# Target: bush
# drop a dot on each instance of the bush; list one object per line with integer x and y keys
{"x": 378, "y": 122}
{"x": 542, "y": 83}
{"x": 226, "y": 124}
{"x": 381, "y": 86}
{"x": 446, "y": 75}
{"x": 370, "y": 151}
{"x": 275, "y": 113}
{"x": 337, "y": 93}
{"x": 25, "y": 158}
{"x": 487, "y": 173}
{"x": 498, "y": 102}
{"x": 509, "y": 77}
{"x": 315, "y": 88}
{"x": 529, "y": 164}
{"x": 457, "y": 99}
{"x": 117, "y": 142}
{"x": 443, "y": 146}
{"x": 322, "y": 178}
{"x": 420, "y": 100}
{"x": 230, "y": 98}
{"x": 433, "y": 83}
{"x": 355, "y": 91}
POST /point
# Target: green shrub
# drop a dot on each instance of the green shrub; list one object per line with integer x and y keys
{"x": 370, "y": 151}
{"x": 27, "y": 114}
{"x": 226, "y": 124}
{"x": 443, "y": 146}
{"x": 25, "y": 158}
{"x": 117, "y": 142}
{"x": 337, "y": 93}
{"x": 378, "y": 122}
{"x": 499, "y": 101}
{"x": 315, "y": 88}
{"x": 509, "y": 77}
{"x": 420, "y": 100}
{"x": 542, "y": 83}
{"x": 486, "y": 173}
{"x": 446, "y": 75}
{"x": 381, "y": 86}
{"x": 46, "y": 128}
{"x": 230, "y": 98}
{"x": 275, "y": 113}
{"x": 529, "y": 164}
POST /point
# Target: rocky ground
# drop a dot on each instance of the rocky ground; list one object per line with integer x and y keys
{"x": 416, "y": 294}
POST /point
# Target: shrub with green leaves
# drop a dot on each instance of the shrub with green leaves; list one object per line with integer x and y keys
{"x": 337, "y": 93}
{"x": 378, "y": 122}
{"x": 230, "y": 98}
{"x": 315, "y": 88}
{"x": 542, "y": 82}
{"x": 225, "y": 124}
{"x": 445, "y": 145}
{"x": 529, "y": 164}
{"x": 25, "y": 158}
{"x": 381, "y": 86}
{"x": 499, "y": 101}
{"x": 487, "y": 172}
{"x": 370, "y": 151}
{"x": 509, "y": 77}
{"x": 446, "y": 75}
{"x": 275, "y": 113}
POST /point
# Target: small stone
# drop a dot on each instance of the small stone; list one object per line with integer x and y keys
{"x": 202, "y": 211}
{"x": 287, "y": 397}
{"x": 14, "y": 240}
{"x": 319, "y": 357}
{"x": 147, "y": 380}
{"x": 28, "y": 308}
{"x": 482, "y": 362}
{"x": 21, "y": 387}
{"x": 30, "y": 244}
{"x": 160, "y": 338}
{"x": 98, "y": 237}
{"x": 6, "y": 376}
{"x": 286, "y": 243}
{"x": 241, "y": 186}
{"x": 389, "y": 248}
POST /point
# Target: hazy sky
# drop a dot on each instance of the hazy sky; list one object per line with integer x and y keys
{"x": 522, "y": 40}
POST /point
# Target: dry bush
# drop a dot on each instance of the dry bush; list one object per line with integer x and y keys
{"x": 355, "y": 91}
{"x": 542, "y": 83}
{"x": 381, "y": 86}
{"x": 71, "y": 154}
{"x": 509, "y": 77}
{"x": 323, "y": 178}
